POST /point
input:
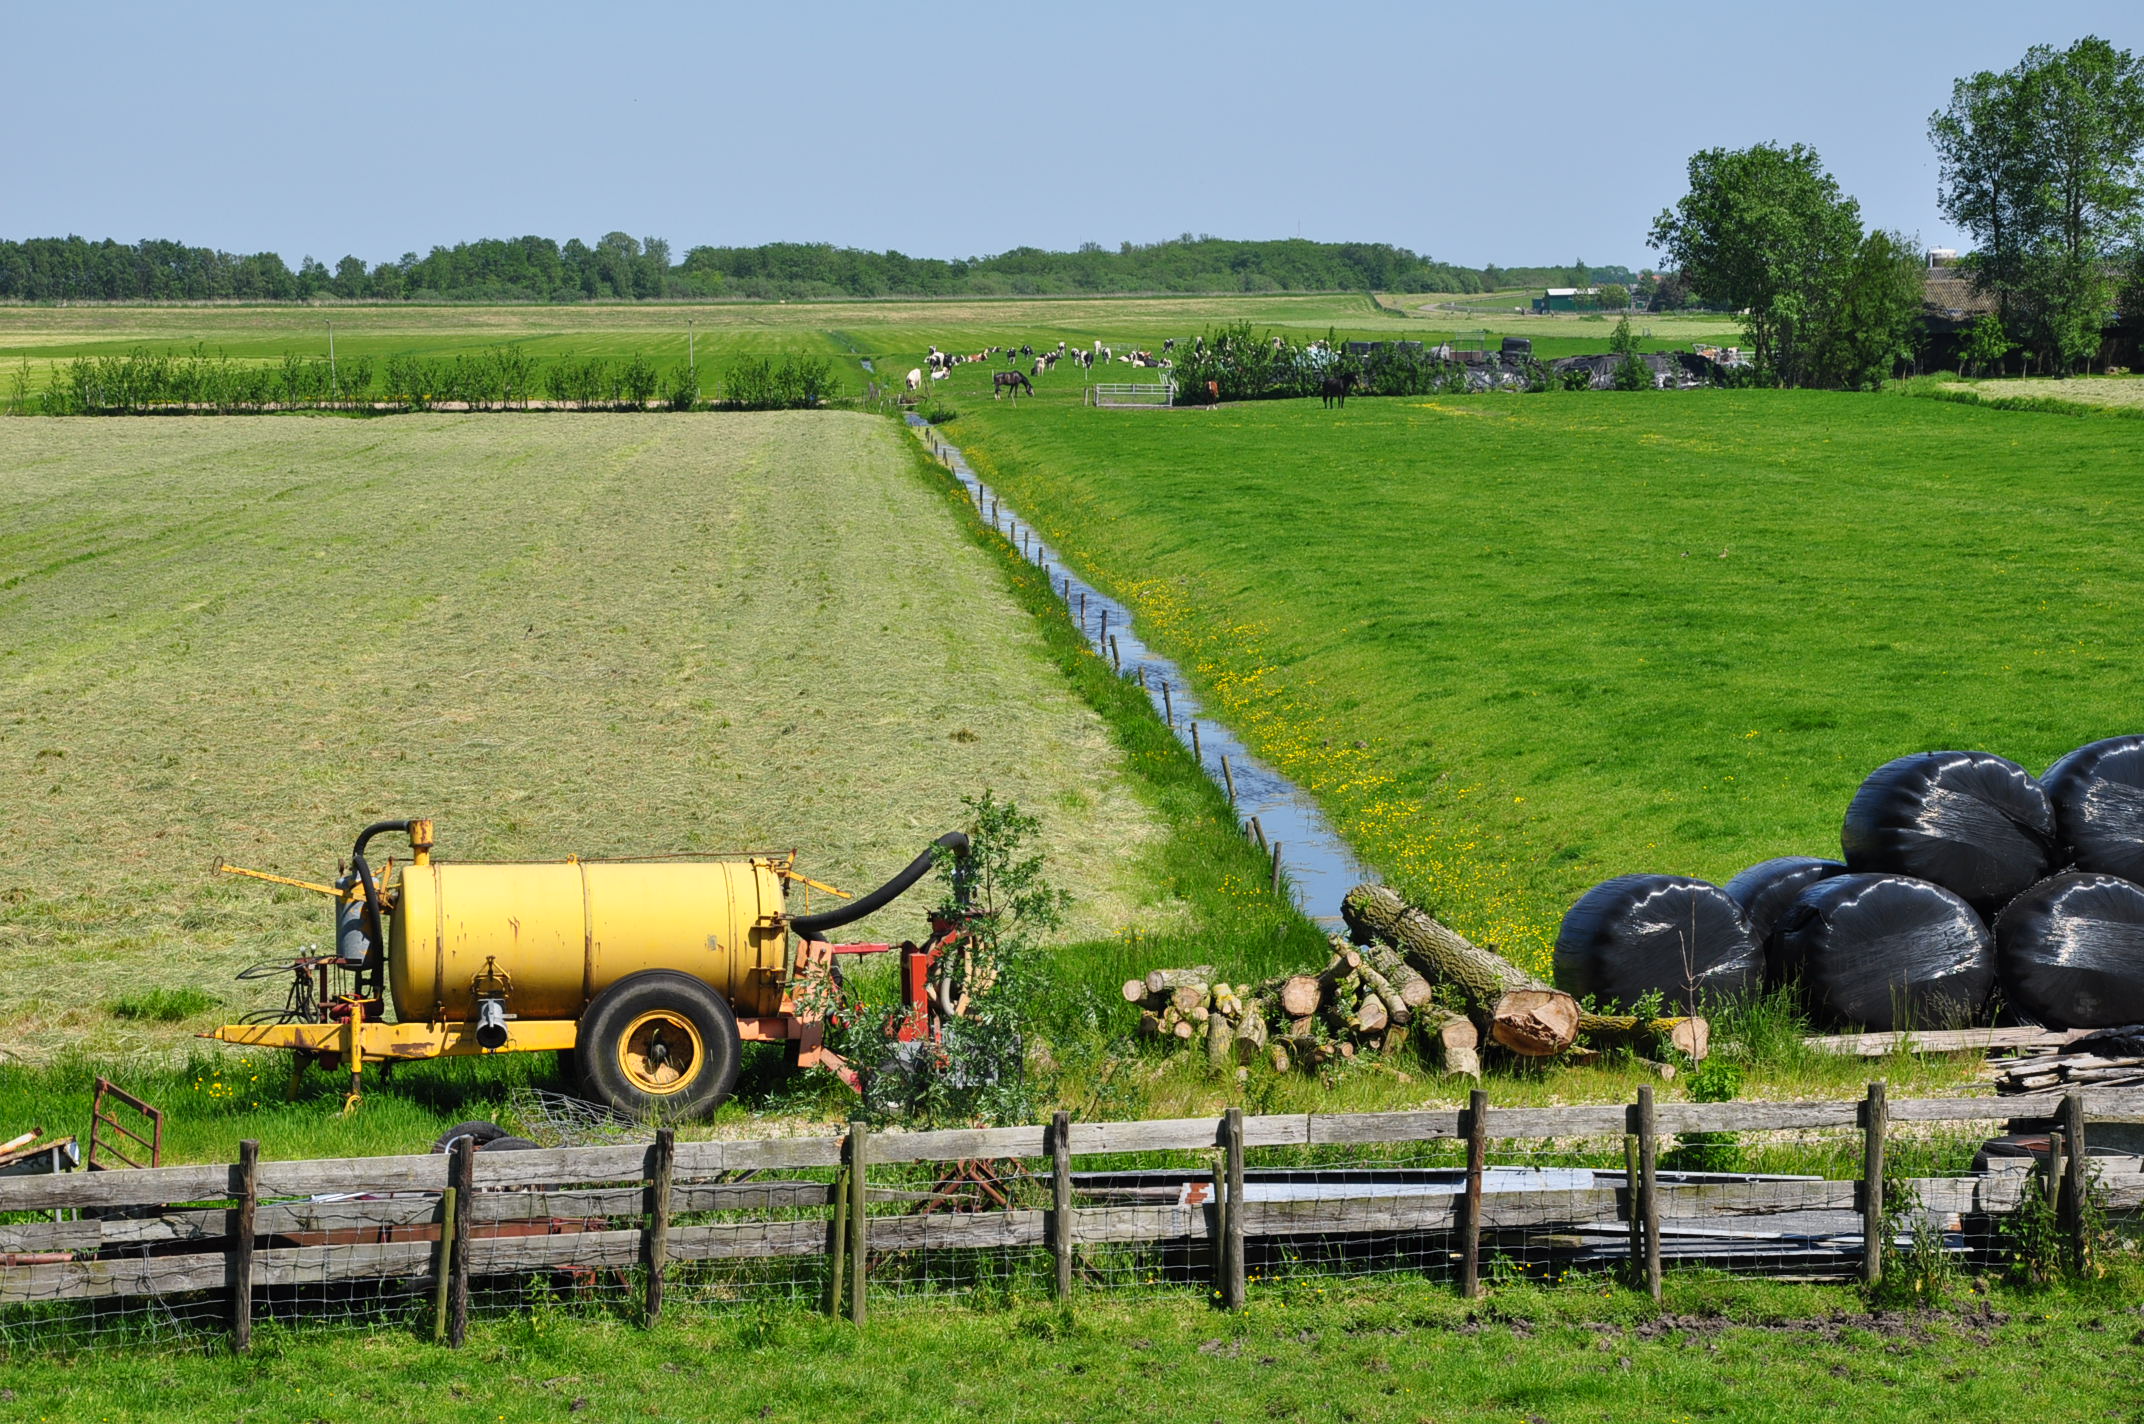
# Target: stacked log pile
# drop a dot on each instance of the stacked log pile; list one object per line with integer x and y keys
{"x": 1404, "y": 978}
{"x": 2109, "y": 1058}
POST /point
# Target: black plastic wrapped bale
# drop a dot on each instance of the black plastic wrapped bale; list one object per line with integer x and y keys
{"x": 2098, "y": 795}
{"x": 2070, "y": 951}
{"x": 1766, "y": 889}
{"x": 1887, "y": 952}
{"x": 1636, "y": 935}
{"x": 1974, "y": 823}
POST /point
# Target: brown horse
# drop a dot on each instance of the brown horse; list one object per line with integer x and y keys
{"x": 1012, "y": 381}
{"x": 1335, "y": 389}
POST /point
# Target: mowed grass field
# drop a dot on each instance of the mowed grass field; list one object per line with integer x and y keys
{"x": 600, "y": 635}
{"x": 1519, "y": 644}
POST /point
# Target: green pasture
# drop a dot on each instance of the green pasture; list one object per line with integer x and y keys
{"x": 896, "y": 334}
{"x": 1519, "y": 644}
{"x": 1394, "y": 1349}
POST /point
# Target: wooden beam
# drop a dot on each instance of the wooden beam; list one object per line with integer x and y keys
{"x": 1950, "y": 1040}
{"x": 240, "y": 1247}
{"x": 661, "y": 1162}
{"x": 1874, "y": 1121}
{"x": 461, "y": 1164}
{"x": 1061, "y": 1202}
{"x": 1477, "y": 1129}
{"x": 1649, "y": 1188}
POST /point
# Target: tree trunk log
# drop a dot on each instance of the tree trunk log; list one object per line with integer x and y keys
{"x": 1299, "y": 995}
{"x": 1520, "y": 1012}
{"x": 1187, "y": 997}
{"x": 1452, "y": 1040}
{"x": 1250, "y": 1043}
{"x": 1161, "y": 979}
{"x": 1150, "y": 1025}
{"x": 1135, "y": 991}
{"x": 1397, "y": 1009}
{"x": 1414, "y": 990}
{"x": 1689, "y": 1036}
{"x": 1220, "y": 1033}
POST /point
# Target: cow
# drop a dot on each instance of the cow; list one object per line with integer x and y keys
{"x": 915, "y": 380}
{"x": 1012, "y": 381}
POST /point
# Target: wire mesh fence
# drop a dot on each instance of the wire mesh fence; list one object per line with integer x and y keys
{"x": 1225, "y": 1210}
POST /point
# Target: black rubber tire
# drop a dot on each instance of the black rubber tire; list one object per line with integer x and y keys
{"x": 710, "y": 1077}
{"x": 485, "y": 1133}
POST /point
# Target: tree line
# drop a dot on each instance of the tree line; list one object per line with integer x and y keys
{"x": 620, "y": 267}
{"x": 2042, "y": 163}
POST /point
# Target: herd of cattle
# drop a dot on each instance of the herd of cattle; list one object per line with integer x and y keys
{"x": 1040, "y": 362}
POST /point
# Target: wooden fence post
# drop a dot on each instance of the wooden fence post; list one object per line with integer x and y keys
{"x": 1061, "y": 1199}
{"x": 1630, "y": 1207}
{"x": 1875, "y": 1121}
{"x": 1232, "y": 1228}
{"x": 2074, "y": 1183}
{"x": 1649, "y": 1188}
{"x": 662, "y": 1167}
{"x": 1477, "y": 1125}
{"x": 442, "y": 1254}
{"x": 837, "y": 1226}
{"x": 461, "y": 1176}
{"x": 859, "y": 1215}
{"x": 240, "y": 1245}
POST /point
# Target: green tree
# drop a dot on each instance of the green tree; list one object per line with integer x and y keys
{"x": 1872, "y": 321}
{"x": 2043, "y": 163}
{"x": 1985, "y": 344}
{"x": 1767, "y": 230}
{"x": 1614, "y": 296}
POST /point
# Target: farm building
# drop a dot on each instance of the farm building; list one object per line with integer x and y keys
{"x": 1556, "y": 299}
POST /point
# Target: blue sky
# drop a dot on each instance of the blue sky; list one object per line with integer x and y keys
{"x": 1516, "y": 134}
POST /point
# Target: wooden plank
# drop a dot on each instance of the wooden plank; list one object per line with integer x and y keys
{"x": 621, "y": 1249}
{"x": 1649, "y": 1187}
{"x": 859, "y": 1217}
{"x": 1098, "y": 1224}
{"x": 418, "y": 1172}
{"x": 144, "y": 1186}
{"x": 1957, "y": 1040}
{"x": 705, "y": 1159}
{"x": 1184, "y": 1134}
{"x": 1232, "y": 1226}
{"x": 461, "y": 1166}
{"x": 1344, "y": 1128}
{"x": 960, "y": 1144}
{"x": 748, "y": 1240}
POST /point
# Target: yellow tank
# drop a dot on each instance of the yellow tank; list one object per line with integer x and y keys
{"x": 564, "y": 932}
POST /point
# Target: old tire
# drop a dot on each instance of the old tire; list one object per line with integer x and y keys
{"x": 659, "y": 1044}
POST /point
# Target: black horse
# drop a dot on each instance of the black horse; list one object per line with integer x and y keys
{"x": 1335, "y": 389}
{"x": 1012, "y": 381}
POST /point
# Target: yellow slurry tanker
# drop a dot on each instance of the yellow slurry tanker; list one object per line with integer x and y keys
{"x": 652, "y": 972}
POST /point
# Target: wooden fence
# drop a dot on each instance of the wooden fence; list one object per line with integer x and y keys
{"x": 256, "y": 1225}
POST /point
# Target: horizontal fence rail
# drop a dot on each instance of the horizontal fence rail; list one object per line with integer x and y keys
{"x": 1214, "y": 1203}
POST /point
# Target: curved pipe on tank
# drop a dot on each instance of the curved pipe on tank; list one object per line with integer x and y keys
{"x": 814, "y": 927}
{"x": 361, "y": 869}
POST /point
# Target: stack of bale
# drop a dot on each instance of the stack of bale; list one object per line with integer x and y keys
{"x": 1960, "y": 873}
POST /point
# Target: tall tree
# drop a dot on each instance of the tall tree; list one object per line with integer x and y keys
{"x": 1767, "y": 230}
{"x": 2041, "y": 164}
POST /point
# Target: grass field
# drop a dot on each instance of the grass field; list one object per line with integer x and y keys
{"x": 1577, "y": 636}
{"x": 1395, "y": 1350}
{"x": 2120, "y": 392}
{"x": 34, "y": 340}
{"x": 601, "y": 635}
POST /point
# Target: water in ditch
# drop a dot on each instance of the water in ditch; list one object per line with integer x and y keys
{"x": 1318, "y": 867}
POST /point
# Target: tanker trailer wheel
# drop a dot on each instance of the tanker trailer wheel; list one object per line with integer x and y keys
{"x": 659, "y": 1043}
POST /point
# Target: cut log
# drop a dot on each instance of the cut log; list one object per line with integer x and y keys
{"x": 1150, "y": 1025}
{"x": 1414, "y": 990}
{"x": 1277, "y": 1055}
{"x": 1395, "y": 1040}
{"x": 1161, "y": 979}
{"x": 1186, "y": 997}
{"x": 1220, "y": 1033}
{"x": 1519, "y": 1011}
{"x": 1298, "y": 995}
{"x": 1135, "y": 991}
{"x": 1397, "y": 1009}
{"x": 1183, "y": 1029}
{"x": 1370, "y": 1016}
{"x": 1690, "y": 1036}
{"x": 1250, "y": 1041}
{"x": 1450, "y": 1041}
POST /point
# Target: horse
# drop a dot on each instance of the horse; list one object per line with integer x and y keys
{"x": 1335, "y": 389}
{"x": 1012, "y": 381}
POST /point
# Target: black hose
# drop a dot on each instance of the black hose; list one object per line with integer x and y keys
{"x": 814, "y": 927}
{"x": 362, "y": 869}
